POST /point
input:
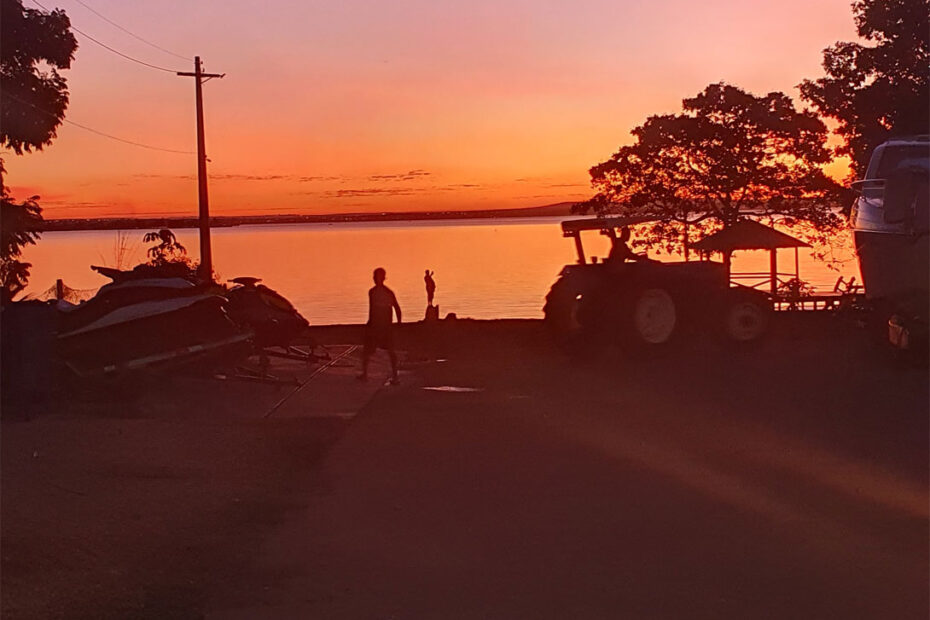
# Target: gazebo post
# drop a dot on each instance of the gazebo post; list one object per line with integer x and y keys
{"x": 773, "y": 270}
{"x": 727, "y": 258}
{"x": 797, "y": 270}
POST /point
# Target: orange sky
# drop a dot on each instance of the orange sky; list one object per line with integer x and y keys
{"x": 408, "y": 105}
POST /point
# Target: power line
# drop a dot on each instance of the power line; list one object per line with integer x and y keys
{"x": 123, "y": 140}
{"x": 98, "y": 132}
{"x": 135, "y": 36}
{"x": 107, "y": 47}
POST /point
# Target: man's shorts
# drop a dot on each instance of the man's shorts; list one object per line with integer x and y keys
{"x": 379, "y": 337}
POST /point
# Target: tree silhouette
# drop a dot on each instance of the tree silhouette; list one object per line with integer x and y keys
{"x": 167, "y": 249}
{"x": 728, "y": 154}
{"x": 877, "y": 90}
{"x": 20, "y": 224}
{"x": 34, "y": 45}
{"x": 167, "y": 257}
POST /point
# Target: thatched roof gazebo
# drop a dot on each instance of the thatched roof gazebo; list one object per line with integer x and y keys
{"x": 751, "y": 235}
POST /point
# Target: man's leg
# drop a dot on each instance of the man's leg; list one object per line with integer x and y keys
{"x": 389, "y": 345}
{"x": 367, "y": 350}
{"x": 393, "y": 357}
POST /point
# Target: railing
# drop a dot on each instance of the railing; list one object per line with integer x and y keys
{"x": 794, "y": 295}
{"x": 761, "y": 280}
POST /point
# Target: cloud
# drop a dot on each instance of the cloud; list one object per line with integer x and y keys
{"x": 318, "y": 178}
{"x": 249, "y": 177}
{"x": 219, "y": 177}
{"x": 371, "y": 191}
{"x": 149, "y": 175}
{"x": 77, "y": 205}
{"x": 559, "y": 196}
{"x": 410, "y": 175}
{"x": 455, "y": 187}
{"x": 42, "y": 198}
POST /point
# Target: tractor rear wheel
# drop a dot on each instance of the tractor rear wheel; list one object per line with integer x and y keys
{"x": 563, "y": 316}
{"x": 652, "y": 317}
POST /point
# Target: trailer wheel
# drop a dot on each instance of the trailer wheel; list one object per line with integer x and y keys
{"x": 654, "y": 316}
{"x": 745, "y": 318}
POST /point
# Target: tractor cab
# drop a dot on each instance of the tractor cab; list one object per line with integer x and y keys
{"x": 607, "y": 226}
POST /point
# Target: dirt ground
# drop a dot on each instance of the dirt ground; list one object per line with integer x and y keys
{"x": 501, "y": 479}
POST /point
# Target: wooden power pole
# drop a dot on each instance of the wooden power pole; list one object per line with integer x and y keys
{"x": 206, "y": 252}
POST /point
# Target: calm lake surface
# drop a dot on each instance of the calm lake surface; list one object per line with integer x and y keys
{"x": 485, "y": 269}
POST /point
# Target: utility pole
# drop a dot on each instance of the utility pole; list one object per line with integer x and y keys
{"x": 206, "y": 252}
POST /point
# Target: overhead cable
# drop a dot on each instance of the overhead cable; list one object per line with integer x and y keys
{"x": 107, "y": 47}
{"x": 98, "y": 132}
{"x": 130, "y": 33}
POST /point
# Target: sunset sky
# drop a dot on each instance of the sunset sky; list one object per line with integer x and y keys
{"x": 385, "y": 106}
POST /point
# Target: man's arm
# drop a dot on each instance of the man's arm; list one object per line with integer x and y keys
{"x": 396, "y": 306}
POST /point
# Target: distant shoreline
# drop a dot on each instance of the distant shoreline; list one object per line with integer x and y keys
{"x": 225, "y": 221}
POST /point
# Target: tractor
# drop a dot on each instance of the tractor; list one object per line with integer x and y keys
{"x": 646, "y": 304}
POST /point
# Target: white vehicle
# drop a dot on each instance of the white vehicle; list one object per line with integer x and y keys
{"x": 891, "y": 227}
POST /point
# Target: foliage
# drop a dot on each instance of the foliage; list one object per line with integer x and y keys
{"x": 728, "y": 154}
{"x": 795, "y": 288}
{"x": 167, "y": 248}
{"x": 877, "y": 90}
{"x": 20, "y": 225}
{"x": 34, "y": 45}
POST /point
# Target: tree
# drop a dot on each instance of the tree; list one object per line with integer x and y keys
{"x": 728, "y": 154}
{"x": 34, "y": 45}
{"x": 878, "y": 90}
{"x": 167, "y": 248}
{"x": 20, "y": 224}
{"x": 167, "y": 258}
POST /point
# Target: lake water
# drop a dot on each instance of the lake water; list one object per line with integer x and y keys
{"x": 485, "y": 269}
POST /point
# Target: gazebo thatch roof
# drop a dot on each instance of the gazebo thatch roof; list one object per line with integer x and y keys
{"x": 747, "y": 235}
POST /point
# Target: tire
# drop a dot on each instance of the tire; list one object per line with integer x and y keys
{"x": 652, "y": 318}
{"x": 746, "y": 318}
{"x": 563, "y": 311}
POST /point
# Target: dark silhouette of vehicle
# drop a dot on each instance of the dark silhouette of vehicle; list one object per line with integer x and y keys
{"x": 136, "y": 324}
{"x": 891, "y": 226}
{"x": 274, "y": 319}
{"x": 646, "y": 304}
{"x": 144, "y": 319}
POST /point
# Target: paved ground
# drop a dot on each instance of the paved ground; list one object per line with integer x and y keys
{"x": 133, "y": 502}
{"x": 789, "y": 482}
{"x": 784, "y": 482}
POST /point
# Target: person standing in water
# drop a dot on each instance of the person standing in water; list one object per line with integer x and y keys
{"x": 382, "y": 304}
{"x": 430, "y": 287}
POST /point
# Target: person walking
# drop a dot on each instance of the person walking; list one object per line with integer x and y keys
{"x": 382, "y": 304}
{"x": 430, "y": 287}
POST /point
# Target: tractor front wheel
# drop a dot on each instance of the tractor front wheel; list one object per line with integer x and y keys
{"x": 745, "y": 317}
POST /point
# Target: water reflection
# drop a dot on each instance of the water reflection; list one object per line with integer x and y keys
{"x": 483, "y": 269}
